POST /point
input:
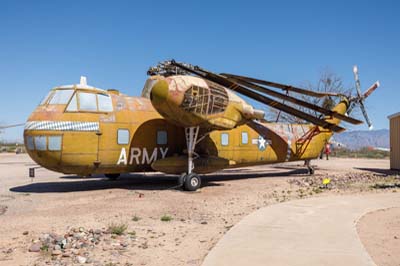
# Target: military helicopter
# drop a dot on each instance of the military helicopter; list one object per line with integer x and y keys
{"x": 188, "y": 121}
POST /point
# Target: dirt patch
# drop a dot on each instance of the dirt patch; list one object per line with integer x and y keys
{"x": 171, "y": 227}
{"x": 379, "y": 232}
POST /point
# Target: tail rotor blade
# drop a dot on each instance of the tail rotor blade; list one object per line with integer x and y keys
{"x": 358, "y": 84}
{"x": 371, "y": 89}
{"x": 365, "y": 114}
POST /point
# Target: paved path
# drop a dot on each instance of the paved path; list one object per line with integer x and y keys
{"x": 315, "y": 231}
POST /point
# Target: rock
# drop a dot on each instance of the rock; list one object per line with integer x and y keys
{"x": 57, "y": 247}
{"x": 79, "y": 235}
{"x": 56, "y": 252}
{"x": 25, "y": 233}
{"x": 75, "y": 252}
{"x": 66, "y": 254}
{"x": 35, "y": 247}
{"x": 204, "y": 222}
{"x": 8, "y": 251}
{"x": 81, "y": 259}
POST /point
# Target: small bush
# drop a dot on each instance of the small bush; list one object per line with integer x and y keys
{"x": 136, "y": 218}
{"x": 44, "y": 248}
{"x": 166, "y": 218}
{"x": 117, "y": 229}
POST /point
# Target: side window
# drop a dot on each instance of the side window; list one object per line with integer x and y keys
{"x": 123, "y": 136}
{"x": 73, "y": 105}
{"x": 87, "y": 101}
{"x": 54, "y": 143}
{"x": 245, "y": 138}
{"x": 29, "y": 143}
{"x": 224, "y": 139}
{"x": 40, "y": 143}
{"x": 162, "y": 137}
{"x": 105, "y": 103}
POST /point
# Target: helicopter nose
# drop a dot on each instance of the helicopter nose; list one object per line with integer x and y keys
{"x": 44, "y": 149}
{"x": 159, "y": 92}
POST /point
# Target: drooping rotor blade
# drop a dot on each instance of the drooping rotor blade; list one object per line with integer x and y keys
{"x": 9, "y": 126}
{"x": 296, "y": 101}
{"x": 284, "y": 87}
{"x": 223, "y": 81}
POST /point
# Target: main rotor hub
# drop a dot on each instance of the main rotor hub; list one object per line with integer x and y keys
{"x": 166, "y": 69}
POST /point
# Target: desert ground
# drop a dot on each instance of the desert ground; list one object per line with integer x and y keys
{"x": 144, "y": 219}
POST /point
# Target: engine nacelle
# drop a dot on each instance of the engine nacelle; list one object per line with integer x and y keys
{"x": 190, "y": 101}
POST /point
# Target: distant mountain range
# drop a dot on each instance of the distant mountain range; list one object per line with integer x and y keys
{"x": 363, "y": 138}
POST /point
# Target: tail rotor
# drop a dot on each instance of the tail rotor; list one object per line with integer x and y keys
{"x": 360, "y": 98}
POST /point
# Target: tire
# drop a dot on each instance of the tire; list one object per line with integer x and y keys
{"x": 112, "y": 176}
{"x": 192, "y": 182}
{"x": 181, "y": 180}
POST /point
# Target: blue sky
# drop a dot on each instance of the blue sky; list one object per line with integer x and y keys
{"x": 49, "y": 43}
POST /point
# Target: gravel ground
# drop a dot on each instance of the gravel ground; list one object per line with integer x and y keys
{"x": 67, "y": 220}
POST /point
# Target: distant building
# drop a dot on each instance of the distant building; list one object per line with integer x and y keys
{"x": 395, "y": 141}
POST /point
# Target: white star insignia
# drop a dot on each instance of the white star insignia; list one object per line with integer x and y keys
{"x": 261, "y": 143}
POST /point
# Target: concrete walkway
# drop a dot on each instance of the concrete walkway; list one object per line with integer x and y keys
{"x": 315, "y": 231}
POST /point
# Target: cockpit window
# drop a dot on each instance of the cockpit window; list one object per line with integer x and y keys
{"x": 87, "y": 101}
{"x": 46, "y": 98}
{"x": 73, "y": 104}
{"x": 61, "y": 97}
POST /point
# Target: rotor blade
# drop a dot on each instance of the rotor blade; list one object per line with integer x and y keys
{"x": 358, "y": 85}
{"x": 296, "y": 101}
{"x": 284, "y": 87}
{"x": 223, "y": 81}
{"x": 362, "y": 107}
{"x": 371, "y": 89}
{"x": 9, "y": 126}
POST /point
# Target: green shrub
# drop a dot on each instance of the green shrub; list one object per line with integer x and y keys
{"x": 166, "y": 218}
{"x": 117, "y": 229}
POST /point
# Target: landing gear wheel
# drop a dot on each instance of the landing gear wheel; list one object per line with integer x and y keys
{"x": 192, "y": 182}
{"x": 112, "y": 176}
{"x": 309, "y": 167}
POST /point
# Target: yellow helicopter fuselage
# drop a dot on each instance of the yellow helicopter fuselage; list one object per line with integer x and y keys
{"x": 83, "y": 130}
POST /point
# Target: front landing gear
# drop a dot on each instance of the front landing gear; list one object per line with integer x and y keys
{"x": 309, "y": 167}
{"x": 191, "y": 181}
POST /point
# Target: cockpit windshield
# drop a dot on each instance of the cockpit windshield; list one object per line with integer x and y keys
{"x": 81, "y": 100}
{"x": 90, "y": 102}
{"x": 61, "y": 97}
{"x": 46, "y": 98}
